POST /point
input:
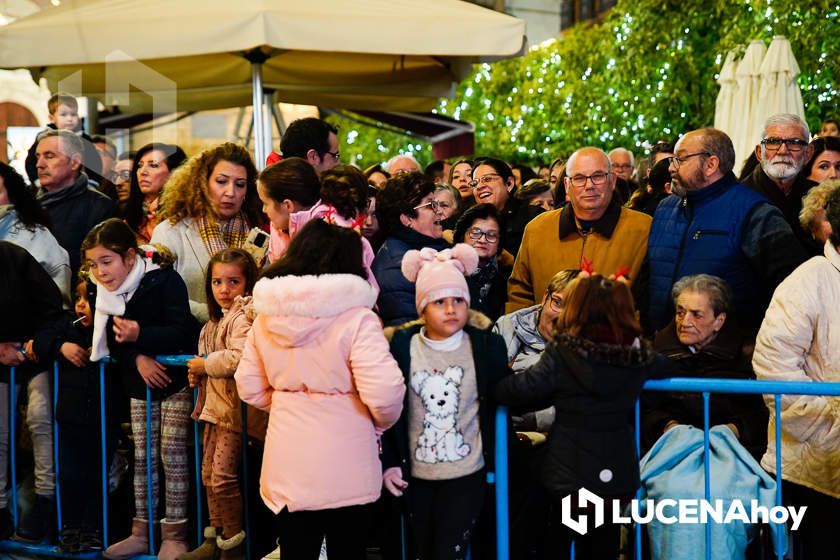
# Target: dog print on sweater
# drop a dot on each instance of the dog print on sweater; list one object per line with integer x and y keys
{"x": 441, "y": 440}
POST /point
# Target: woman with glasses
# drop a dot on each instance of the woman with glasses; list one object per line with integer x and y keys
{"x": 526, "y": 333}
{"x": 409, "y": 217}
{"x": 479, "y": 227}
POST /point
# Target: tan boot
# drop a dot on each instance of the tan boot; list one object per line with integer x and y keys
{"x": 232, "y": 548}
{"x": 174, "y": 539}
{"x": 208, "y": 549}
{"x": 137, "y": 543}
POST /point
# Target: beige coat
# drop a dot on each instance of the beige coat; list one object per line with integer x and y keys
{"x": 222, "y": 343}
{"x": 799, "y": 340}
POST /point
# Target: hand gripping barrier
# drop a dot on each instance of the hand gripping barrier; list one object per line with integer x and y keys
{"x": 499, "y": 477}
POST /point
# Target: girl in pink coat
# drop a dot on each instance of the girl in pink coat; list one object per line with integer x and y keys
{"x": 317, "y": 360}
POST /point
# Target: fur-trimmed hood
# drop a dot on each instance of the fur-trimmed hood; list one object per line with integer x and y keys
{"x": 475, "y": 319}
{"x": 613, "y": 354}
{"x": 297, "y": 308}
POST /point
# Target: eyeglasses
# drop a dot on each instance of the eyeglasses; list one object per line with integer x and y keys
{"x": 124, "y": 175}
{"x": 484, "y": 180}
{"x": 677, "y": 161}
{"x": 598, "y": 179}
{"x": 477, "y": 233}
{"x": 794, "y": 145}
{"x": 555, "y": 301}
{"x": 333, "y": 154}
{"x": 433, "y": 204}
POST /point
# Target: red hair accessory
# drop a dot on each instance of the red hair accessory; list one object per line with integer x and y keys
{"x": 586, "y": 267}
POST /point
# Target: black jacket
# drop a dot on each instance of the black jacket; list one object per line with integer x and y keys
{"x": 488, "y": 289}
{"x": 78, "y": 388}
{"x": 790, "y": 204}
{"x": 162, "y": 308}
{"x": 515, "y": 216}
{"x": 728, "y": 356}
{"x": 593, "y": 387}
{"x": 74, "y": 210}
{"x": 490, "y": 356}
{"x": 29, "y": 300}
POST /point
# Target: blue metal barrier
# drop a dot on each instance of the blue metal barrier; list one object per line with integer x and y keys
{"x": 743, "y": 386}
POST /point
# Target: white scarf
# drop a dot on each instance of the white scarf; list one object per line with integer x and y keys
{"x": 113, "y": 303}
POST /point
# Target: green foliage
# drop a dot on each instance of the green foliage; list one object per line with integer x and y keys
{"x": 646, "y": 72}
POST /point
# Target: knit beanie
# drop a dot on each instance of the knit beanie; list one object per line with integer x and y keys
{"x": 439, "y": 274}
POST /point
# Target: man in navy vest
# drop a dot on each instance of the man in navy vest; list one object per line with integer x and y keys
{"x": 714, "y": 225}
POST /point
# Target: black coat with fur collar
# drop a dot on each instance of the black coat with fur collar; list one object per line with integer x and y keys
{"x": 593, "y": 388}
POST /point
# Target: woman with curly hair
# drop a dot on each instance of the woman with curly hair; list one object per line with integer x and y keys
{"x": 151, "y": 169}
{"x": 210, "y": 203}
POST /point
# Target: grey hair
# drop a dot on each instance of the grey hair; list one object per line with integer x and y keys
{"x": 70, "y": 142}
{"x": 456, "y": 194}
{"x": 623, "y": 151}
{"x": 387, "y": 165}
{"x": 715, "y": 288}
{"x": 815, "y": 201}
{"x": 787, "y": 119}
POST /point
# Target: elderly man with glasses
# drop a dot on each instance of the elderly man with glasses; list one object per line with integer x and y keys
{"x": 711, "y": 224}
{"x": 590, "y": 230}
{"x": 782, "y": 154}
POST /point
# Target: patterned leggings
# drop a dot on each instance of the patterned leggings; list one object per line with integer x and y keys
{"x": 219, "y": 474}
{"x": 175, "y": 413}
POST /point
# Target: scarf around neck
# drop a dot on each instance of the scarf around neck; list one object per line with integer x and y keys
{"x": 221, "y": 235}
{"x": 113, "y": 304}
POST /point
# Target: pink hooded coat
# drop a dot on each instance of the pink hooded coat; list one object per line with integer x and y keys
{"x": 317, "y": 360}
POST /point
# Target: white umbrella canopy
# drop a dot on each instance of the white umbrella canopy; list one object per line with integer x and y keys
{"x": 779, "y": 90}
{"x": 746, "y": 125}
{"x": 365, "y": 54}
{"x": 205, "y": 54}
{"x": 726, "y": 95}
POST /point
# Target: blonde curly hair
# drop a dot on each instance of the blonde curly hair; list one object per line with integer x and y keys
{"x": 185, "y": 193}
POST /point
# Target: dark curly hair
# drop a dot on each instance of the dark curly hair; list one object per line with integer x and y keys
{"x": 29, "y": 211}
{"x": 399, "y": 196}
{"x": 345, "y": 188}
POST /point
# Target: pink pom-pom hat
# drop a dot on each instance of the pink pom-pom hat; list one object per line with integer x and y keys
{"x": 439, "y": 274}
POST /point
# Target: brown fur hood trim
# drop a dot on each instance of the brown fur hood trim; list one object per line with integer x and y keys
{"x": 613, "y": 354}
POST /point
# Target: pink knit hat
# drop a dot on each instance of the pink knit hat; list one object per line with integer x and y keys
{"x": 439, "y": 274}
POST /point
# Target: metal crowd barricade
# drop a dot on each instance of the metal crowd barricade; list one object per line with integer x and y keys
{"x": 743, "y": 386}
{"x": 499, "y": 477}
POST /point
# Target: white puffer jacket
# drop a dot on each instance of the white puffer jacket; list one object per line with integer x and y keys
{"x": 799, "y": 340}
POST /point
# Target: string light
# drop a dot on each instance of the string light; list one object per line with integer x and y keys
{"x": 630, "y": 79}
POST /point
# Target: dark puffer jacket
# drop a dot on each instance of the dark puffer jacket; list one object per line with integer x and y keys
{"x": 396, "y": 294}
{"x": 593, "y": 387}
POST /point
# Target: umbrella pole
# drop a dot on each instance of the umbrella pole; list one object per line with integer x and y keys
{"x": 259, "y": 115}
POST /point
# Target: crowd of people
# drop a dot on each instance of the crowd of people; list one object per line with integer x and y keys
{"x": 362, "y": 327}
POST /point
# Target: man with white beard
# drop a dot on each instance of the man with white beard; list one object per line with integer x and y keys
{"x": 782, "y": 153}
{"x": 711, "y": 224}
